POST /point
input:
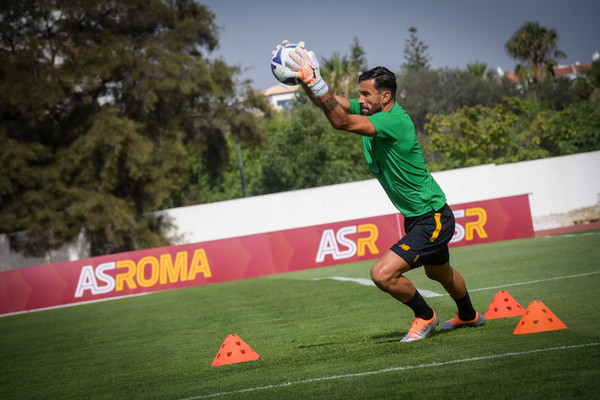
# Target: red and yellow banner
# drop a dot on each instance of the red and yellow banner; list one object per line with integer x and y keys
{"x": 173, "y": 267}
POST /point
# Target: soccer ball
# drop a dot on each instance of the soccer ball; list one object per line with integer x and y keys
{"x": 278, "y": 65}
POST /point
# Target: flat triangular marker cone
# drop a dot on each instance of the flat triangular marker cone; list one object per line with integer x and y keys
{"x": 503, "y": 306}
{"x": 234, "y": 350}
{"x": 538, "y": 318}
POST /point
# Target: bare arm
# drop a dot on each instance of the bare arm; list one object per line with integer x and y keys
{"x": 343, "y": 102}
{"x": 337, "y": 111}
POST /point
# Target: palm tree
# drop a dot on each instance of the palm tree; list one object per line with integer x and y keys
{"x": 477, "y": 68}
{"x": 339, "y": 74}
{"x": 534, "y": 45}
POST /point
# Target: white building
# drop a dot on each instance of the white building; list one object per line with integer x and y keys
{"x": 281, "y": 96}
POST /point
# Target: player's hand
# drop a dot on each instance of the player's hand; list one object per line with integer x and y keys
{"x": 302, "y": 63}
{"x": 305, "y": 66}
{"x": 283, "y": 43}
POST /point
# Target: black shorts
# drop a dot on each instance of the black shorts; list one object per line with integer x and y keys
{"x": 427, "y": 237}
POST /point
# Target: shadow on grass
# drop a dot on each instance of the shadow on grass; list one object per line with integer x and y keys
{"x": 396, "y": 336}
{"x": 381, "y": 338}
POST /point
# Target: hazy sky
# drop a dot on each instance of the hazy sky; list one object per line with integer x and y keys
{"x": 456, "y": 31}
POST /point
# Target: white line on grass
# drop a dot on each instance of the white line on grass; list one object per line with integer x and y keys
{"x": 428, "y": 293}
{"x": 81, "y": 303}
{"x": 393, "y": 369}
{"x": 536, "y": 281}
{"x": 360, "y": 281}
{"x": 367, "y": 282}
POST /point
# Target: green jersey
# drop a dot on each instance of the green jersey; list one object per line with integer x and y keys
{"x": 395, "y": 158}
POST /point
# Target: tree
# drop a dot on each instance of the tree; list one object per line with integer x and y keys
{"x": 516, "y": 130}
{"x": 103, "y": 100}
{"x": 415, "y": 53}
{"x": 304, "y": 152}
{"x": 560, "y": 92}
{"x": 341, "y": 72}
{"x": 337, "y": 73}
{"x": 358, "y": 58}
{"x": 507, "y": 132}
{"x": 593, "y": 78}
{"x": 534, "y": 46}
{"x": 575, "y": 129}
{"x": 480, "y": 70}
{"x": 477, "y": 69}
{"x": 443, "y": 91}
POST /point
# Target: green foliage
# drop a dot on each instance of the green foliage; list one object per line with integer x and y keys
{"x": 513, "y": 131}
{"x": 341, "y": 71}
{"x": 575, "y": 129}
{"x": 433, "y": 92}
{"x": 477, "y": 68}
{"x": 300, "y": 150}
{"x": 309, "y": 153}
{"x": 592, "y": 81}
{"x": 559, "y": 93}
{"x": 103, "y": 97}
{"x": 476, "y": 135}
{"x": 213, "y": 155}
{"x": 338, "y": 74}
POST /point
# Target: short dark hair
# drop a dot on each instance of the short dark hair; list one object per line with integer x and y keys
{"x": 384, "y": 79}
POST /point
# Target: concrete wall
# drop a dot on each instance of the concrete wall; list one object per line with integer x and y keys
{"x": 557, "y": 186}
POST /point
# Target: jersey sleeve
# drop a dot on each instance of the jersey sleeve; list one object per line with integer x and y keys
{"x": 390, "y": 126}
{"x": 354, "y": 106}
{"x": 387, "y": 125}
{"x": 397, "y": 127}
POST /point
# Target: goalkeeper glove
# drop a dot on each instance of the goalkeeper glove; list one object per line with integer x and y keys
{"x": 305, "y": 66}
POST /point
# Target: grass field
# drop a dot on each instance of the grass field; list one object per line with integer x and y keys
{"x": 320, "y": 338}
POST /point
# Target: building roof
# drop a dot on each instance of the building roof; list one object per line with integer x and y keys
{"x": 512, "y": 76}
{"x": 280, "y": 89}
{"x": 575, "y": 69}
{"x": 559, "y": 71}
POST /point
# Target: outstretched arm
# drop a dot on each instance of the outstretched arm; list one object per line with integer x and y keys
{"x": 342, "y": 101}
{"x": 337, "y": 111}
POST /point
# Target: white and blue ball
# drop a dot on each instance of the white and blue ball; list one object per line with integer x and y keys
{"x": 278, "y": 64}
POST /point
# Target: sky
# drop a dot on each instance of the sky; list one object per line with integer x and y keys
{"x": 456, "y": 31}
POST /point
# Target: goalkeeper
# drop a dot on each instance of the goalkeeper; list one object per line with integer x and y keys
{"x": 394, "y": 157}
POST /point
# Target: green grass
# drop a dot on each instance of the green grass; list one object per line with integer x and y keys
{"x": 161, "y": 346}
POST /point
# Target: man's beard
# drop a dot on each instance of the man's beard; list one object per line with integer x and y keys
{"x": 377, "y": 107}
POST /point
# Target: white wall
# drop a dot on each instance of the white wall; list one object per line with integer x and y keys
{"x": 556, "y": 186}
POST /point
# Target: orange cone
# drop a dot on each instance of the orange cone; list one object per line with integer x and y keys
{"x": 234, "y": 350}
{"x": 504, "y": 305}
{"x": 538, "y": 318}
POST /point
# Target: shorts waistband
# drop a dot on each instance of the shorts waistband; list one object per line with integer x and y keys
{"x": 442, "y": 209}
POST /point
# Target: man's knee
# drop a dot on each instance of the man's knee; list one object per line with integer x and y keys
{"x": 387, "y": 270}
{"x": 379, "y": 276}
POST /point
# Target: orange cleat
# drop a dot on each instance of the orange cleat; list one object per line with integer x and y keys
{"x": 456, "y": 322}
{"x": 421, "y": 328}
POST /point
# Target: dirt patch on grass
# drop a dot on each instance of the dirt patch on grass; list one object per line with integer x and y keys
{"x": 580, "y": 216}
